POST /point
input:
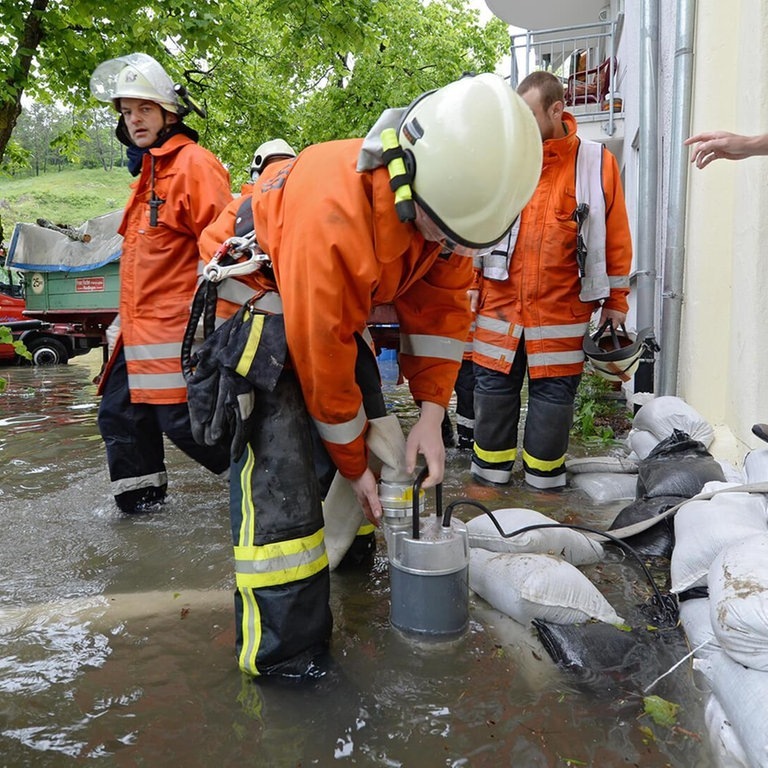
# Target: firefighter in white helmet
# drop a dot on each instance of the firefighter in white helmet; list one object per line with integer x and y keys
{"x": 349, "y": 225}
{"x": 180, "y": 188}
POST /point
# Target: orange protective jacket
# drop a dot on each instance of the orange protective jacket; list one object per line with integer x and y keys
{"x": 159, "y": 264}
{"x": 540, "y": 298}
{"x": 338, "y": 249}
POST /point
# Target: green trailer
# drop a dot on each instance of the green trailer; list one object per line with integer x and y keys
{"x": 70, "y": 278}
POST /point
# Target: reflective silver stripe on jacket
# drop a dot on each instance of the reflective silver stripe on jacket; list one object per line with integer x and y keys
{"x": 555, "y": 358}
{"x": 565, "y": 331}
{"x": 422, "y": 345}
{"x": 344, "y": 433}
{"x": 156, "y": 381}
{"x": 153, "y": 351}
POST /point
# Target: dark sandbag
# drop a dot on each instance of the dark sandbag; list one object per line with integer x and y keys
{"x": 658, "y": 540}
{"x": 595, "y": 645}
{"x": 677, "y": 466}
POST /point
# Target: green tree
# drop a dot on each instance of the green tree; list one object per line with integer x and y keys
{"x": 50, "y": 47}
{"x": 306, "y": 70}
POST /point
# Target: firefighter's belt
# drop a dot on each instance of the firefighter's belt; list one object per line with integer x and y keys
{"x": 243, "y": 355}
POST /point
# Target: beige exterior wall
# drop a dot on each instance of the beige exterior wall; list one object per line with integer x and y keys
{"x": 723, "y": 371}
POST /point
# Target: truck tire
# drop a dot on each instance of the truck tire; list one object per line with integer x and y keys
{"x": 46, "y": 350}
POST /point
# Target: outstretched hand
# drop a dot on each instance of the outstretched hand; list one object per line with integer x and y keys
{"x": 715, "y": 145}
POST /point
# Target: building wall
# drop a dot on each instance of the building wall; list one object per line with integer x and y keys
{"x": 723, "y": 370}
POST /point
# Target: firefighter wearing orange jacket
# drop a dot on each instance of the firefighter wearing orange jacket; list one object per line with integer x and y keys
{"x": 181, "y": 187}
{"x": 568, "y": 255}
{"x": 349, "y": 225}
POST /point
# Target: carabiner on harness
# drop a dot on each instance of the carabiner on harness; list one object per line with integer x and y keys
{"x": 230, "y": 250}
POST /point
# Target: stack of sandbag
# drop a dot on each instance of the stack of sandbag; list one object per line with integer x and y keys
{"x": 719, "y": 570}
{"x": 604, "y": 478}
{"x": 676, "y": 469}
{"x": 534, "y": 575}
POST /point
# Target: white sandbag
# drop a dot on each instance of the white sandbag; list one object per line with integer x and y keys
{"x": 534, "y": 586}
{"x": 743, "y": 693}
{"x": 587, "y": 464}
{"x": 731, "y": 473}
{"x": 567, "y": 543}
{"x": 641, "y": 442}
{"x": 756, "y": 466}
{"x": 738, "y": 601}
{"x": 603, "y": 487}
{"x": 705, "y": 527}
{"x": 723, "y": 740}
{"x": 663, "y": 415}
{"x": 694, "y": 618}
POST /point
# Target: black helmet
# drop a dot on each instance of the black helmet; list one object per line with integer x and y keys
{"x": 615, "y": 355}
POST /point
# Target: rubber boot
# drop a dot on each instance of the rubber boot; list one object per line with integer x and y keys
{"x": 545, "y": 442}
{"x": 361, "y": 552}
{"x": 495, "y": 448}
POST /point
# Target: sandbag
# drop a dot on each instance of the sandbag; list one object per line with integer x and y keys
{"x": 677, "y": 466}
{"x": 704, "y": 527}
{"x": 756, "y": 466}
{"x": 738, "y": 601}
{"x": 567, "y": 543}
{"x": 641, "y": 443}
{"x": 694, "y": 618}
{"x": 663, "y": 416}
{"x": 611, "y": 464}
{"x": 742, "y": 693}
{"x": 536, "y": 586}
{"x": 604, "y": 487}
{"x": 658, "y": 540}
{"x": 593, "y": 646}
{"x": 723, "y": 740}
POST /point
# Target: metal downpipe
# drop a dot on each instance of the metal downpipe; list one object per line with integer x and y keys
{"x": 647, "y": 183}
{"x": 674, "y": 253}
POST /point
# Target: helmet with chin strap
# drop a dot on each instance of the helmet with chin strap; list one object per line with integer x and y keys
{"x": 615, "y": 354}
{"x": 473, "y": 153}
{"x": 135, "y": 76}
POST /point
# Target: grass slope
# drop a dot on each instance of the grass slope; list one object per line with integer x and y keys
{"x": 68, "y": 197}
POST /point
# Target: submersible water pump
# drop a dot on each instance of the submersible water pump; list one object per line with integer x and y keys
{"x": 428, "y": 564}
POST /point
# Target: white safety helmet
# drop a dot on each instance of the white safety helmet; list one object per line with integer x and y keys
{"x": 135, "y": 76}
{"x": 274, "y": 149}
{"x": 474, "y": 153}
{"x": 615, "y": 354}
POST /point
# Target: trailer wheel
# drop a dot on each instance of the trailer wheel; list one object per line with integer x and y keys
{"x": 47, "y": 351}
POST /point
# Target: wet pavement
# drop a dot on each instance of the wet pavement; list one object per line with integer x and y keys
{"x": 117, "y": 633}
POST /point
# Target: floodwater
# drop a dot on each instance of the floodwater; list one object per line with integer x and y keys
{"x": 117, "y": 633}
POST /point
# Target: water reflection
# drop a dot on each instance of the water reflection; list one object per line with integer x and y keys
{"x": 118, "y": 639}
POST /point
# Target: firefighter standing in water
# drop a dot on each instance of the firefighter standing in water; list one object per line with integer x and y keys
{"x": 569, "y": 255}
{"x": 462, "y": 161}
{"x": 180, "y": 189}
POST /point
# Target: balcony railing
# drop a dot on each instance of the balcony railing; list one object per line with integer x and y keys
{"x": 584, "y": 57}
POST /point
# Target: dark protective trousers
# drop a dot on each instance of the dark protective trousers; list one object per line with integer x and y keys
{"x": 133, "y": 437}
{"x": 282, "y": 613}
{"x": 465, "y": 404}
{"x": 547, "y": 424}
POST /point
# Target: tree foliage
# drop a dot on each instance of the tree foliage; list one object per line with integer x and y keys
{"x": 306, "y": 70}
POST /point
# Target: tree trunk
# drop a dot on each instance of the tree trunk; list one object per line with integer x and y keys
{"x": 16, "y": 77}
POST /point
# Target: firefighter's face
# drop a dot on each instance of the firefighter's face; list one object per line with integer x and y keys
{"x": 549, "y": 120}
{"x": 144, "y": 120}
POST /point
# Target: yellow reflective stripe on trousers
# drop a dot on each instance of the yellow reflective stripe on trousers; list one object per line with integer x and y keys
{"x": 254, "y": 337}
{"x": 495, "y": 457}
{"x": 281, "y": 562}
{"x": 251, "y": 621}
{"x": 540, "y": 464}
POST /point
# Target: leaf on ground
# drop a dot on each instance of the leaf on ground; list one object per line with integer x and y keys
{"x": 661, "y": 711}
